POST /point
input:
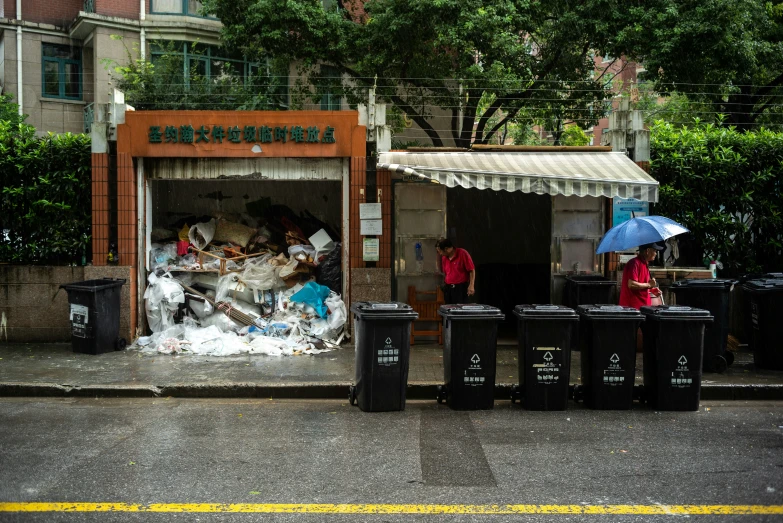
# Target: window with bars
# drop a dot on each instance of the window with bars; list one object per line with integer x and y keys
{"x": 215, "y": 65}
{"x": 178, "y": 7}
{"x": 61, "y": 71}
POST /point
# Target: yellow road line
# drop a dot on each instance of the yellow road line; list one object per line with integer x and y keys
{"x": 328, "y": 508}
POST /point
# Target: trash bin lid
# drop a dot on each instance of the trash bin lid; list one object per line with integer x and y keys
{"x": 590, "y": 280}
{"x": 675, "y": 312}
{"x": 545, "y": 311}
{"x": 610, "y": 312}
{"x": 93, "y": 285}
{"x": 769, "y": 285}
{"x": 700, "y": 285}
{"x": 759, "y": 276}
{"x": 383, "y": 310}
{"x": 467, "y": 311}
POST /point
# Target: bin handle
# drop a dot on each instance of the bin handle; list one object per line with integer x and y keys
{"x": 472, "y": 307}
{"x": 384, "y": 305}
{"x": 546, "y": 307}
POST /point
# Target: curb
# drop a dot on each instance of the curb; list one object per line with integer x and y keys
{"x": 317, "y": 390}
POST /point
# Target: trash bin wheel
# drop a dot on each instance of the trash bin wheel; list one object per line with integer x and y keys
{"x": 729, "y": 357}
{"x": 352, "y": 395}
{"x": 120, "y": 344}
{"x": 720, "y": 364}
{"x": 441, "y": 397}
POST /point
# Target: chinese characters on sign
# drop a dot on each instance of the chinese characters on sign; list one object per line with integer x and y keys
{"x": 235, "y": 134}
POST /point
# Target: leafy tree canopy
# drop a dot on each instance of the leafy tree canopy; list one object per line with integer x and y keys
{"x": 446, "y": 54}
{"x": 725, "y": 53}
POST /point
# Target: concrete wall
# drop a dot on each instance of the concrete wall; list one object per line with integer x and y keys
{"x": 32, "y": 309}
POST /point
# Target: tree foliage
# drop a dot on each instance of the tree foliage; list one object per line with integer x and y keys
{"x": 574, "y": 135}
{"x": 436, "y": 59}
{"x": 45, "y": 204}
{"x": 724, "y": 53}
{"x": 725, "y": 186}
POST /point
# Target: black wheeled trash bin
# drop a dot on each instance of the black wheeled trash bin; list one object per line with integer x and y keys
{"x": 744, "y": 302}
{"x": 765, "y": 301}
{"x": 383, "y": 344}
{"x": 712, "y": 295}
{"x": 545, "y": 333}
{"x": 673, "y": 348}
{"x": 607, "y": 336}
{"x": 587, "y": 290}
{"x": 95, "y": 315}
{"x": 470, "y": 334}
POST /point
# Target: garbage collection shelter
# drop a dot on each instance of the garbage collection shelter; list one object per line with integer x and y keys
{"x": 169, "y": 164}
{"x": 529, "y": 216}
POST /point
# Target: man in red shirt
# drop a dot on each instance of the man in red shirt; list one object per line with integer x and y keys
{"x": 460, "y": 272}
{"x": 637, "y": 282}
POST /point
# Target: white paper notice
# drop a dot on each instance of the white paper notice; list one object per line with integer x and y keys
{"x": 372, "y": 227}
{"x": 370, "y": 211}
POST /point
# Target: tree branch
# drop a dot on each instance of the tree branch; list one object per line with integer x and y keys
{"x": 764, "y": 91}
{"x": 419, "y": 119}
{"x": 500, "y": 124}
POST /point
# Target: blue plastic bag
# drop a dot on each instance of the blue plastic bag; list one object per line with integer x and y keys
{"x": 313, "y": 295}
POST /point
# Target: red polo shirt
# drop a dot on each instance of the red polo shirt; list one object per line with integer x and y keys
{"x": 457, "y": 269}
{"x": 636, "y": 270}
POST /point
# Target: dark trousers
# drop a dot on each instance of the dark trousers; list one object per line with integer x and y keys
{"x": 455, "y": 293}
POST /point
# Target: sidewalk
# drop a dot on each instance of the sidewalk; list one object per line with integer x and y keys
{"x": 54, "y": 370}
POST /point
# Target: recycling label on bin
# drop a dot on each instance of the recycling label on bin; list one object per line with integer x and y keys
{"x": 681, "y": 376}
{"x": 549, "y": 364}
{"x": 474, "y": 373}
{"x": 389, "y": 355}
{"x": 79, "y": 317}
{"x": 614, "y": 374}
{"x": 754, "y": 313}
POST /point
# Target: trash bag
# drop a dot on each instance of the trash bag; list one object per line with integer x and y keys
{"x": 260, "y": 275}
{"x": 161, "y": 301}
{"x": 330, "y": 271}
{"x": 315, "y": 296}
{"x": 201, "y": 234}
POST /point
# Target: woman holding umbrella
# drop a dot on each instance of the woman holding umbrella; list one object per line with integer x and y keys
{"x": 637, "y": 282}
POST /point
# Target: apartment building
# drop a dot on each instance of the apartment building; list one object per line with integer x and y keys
{"x": 56, "y": 56}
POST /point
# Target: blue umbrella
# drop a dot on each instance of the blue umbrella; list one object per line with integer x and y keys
{"x": 638, "y": 231}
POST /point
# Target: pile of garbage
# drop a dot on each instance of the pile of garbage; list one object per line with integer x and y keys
{"x": 244, "y": 294}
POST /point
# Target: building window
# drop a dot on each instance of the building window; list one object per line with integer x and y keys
{"x": 215, "y": 65}
{"x": 62, "y": 71}
{"x": 177, "y": 7}
{"x": 330, "y": 82}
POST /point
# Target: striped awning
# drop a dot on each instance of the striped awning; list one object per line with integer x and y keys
{"x": 568, "y": 173}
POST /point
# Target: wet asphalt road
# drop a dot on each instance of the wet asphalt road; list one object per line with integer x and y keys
{"x": 145, "y": 451}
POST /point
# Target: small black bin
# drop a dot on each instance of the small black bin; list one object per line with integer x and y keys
{"x": 712, "y": 295}
{"x": 673, "y": 348}
{"x": 470, "y": 334}
{"x": 545, "y": 333}
{"x": 383, "y": 344}
{"x": 607, "y": 335}
{"x": 765, "y": 302}
{"x": 95, "y": 315}
{"x": 587, "y": 290}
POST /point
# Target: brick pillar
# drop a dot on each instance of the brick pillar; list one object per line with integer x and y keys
{"x": 358, "y": 182}
{"x": 127, "y": 229}
{"x": 100, "y": 208}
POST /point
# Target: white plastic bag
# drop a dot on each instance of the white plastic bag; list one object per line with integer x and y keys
{"x": 201, "y": 234}
{"x": 161, "y": 300}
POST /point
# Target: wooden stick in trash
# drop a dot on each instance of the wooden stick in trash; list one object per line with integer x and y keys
{"x": 234, "y": 314}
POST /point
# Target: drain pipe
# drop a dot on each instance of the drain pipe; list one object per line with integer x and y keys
{"x": 142, "y": 32}
{"x": 19, "y": 83}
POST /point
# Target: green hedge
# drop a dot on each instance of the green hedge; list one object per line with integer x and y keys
{"x": 727, "y": 188}
{"x": 45, "y": 206}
